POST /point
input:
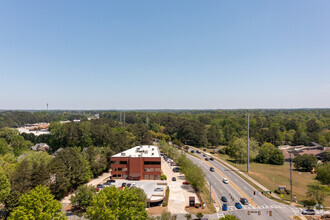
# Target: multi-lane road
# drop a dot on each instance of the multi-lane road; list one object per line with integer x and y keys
{"x": 238, "y": 188}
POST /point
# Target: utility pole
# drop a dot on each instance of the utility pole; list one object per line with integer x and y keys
{"x": 120, "y": 117}
{"x": 291, "y": 176}
{"x": 210, "y": 192}
{"x": 124, "y": 118}
{"x": 248, "y": 156}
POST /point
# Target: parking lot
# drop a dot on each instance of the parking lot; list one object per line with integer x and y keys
{"x": 179, "y": 192}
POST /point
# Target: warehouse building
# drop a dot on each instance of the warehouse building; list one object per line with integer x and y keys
{"x": 137, "y": 163}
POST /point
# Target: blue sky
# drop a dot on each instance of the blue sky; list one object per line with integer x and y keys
{"x": 164, "y": 54}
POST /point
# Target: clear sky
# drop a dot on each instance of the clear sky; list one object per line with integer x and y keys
{"x": 164, "y": 54}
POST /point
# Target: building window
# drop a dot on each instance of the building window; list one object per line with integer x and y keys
{"x": 151, "y": 162}
{"x": 157, "y": 169}
{"x": 148, "y": 169}
{"x": 125, "y": 169}
{"x": 119, "y": 169}
{"x": 119, "y": 176}
{"x": 125, "y": 176}
{"x": 146, "y": 177}
{"x": 157, "y": 177}
{"x": 122, "y": 162}
{"x": 151, "y": 177}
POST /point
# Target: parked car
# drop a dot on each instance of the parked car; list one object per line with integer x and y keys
{"x": 100, "y": 186}
{"x": 308, "y": 212}
{"x": 211, "y": 158}
{"x": 204, "y": 149}
{"x": 223, "y": 198}
{"x": 112, "y": 181}
{"x": 238, "y": 205}
{"x": 207, "y": 159}
{"x": 244, "y": 201}
{"x": 198, "y": 152}
{"x": 192, "y": 151}
{"x": 225, "y": 181}
{"x": 123, "y": 184}
{"x": 158, "y": 189}
{"x": 129, "y": 185}
{"x": 212, "y": 169}
{"x": 173, "y": 179}
{"x": 204, "y": 155}
{"x": 185, "y": 183}
{"x": 107, "y": 183}
{"x": 224, "y": 207}
{"x": 176, "y": 169}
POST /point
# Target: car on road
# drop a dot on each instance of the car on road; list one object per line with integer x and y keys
{"x": 244, "y": 201}
{"x": 223, "y": 198}
{"x": 129, "y": 185}
{"x": 211, "y": 158}
{"x": 224, "y": 207}
{"x": 308, "y": 212}
{"x": 185, "y": 183}
{"x": 204, "y": 155}
{"x": 99, "y": 187}
{"x": 173, "y": 179}
{"x": 112, "y": 181}
{"x": 238, "y": 205}
{"x": 207, "y": 159}
{"x": 192, "y": 151}
{"x": 123, "y": 184}
{"x": 204, "y": 149}
{"x": 225, "y": 181}
{"x": 158, "y": 189}
{"x": 212, "y": 169}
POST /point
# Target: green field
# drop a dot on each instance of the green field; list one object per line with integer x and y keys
{"x": 272, "y": 176}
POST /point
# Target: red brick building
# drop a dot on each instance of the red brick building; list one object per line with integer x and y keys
{"x": 137, "y": 163}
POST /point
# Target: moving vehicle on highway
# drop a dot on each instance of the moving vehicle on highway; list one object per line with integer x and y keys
{"x": 244, "y": 201}
{"x": 225, "y": 181}
{"x": 238, "y": 205}
{"x": 212, "y": 169}
{"x": 207, "y": 159}
{"x": 211, "y": 158}
{"x": 192, "y": 151}
{"x": 224, "y": 207}
{"x": 308, "y": 212}
{"x": 223, "y": 198}
{"x": 204, "y": 155}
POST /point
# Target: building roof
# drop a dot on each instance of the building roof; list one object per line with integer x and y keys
{"x": 140, "y": 151}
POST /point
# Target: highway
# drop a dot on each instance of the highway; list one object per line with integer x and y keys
{"x": 238, "y": 188}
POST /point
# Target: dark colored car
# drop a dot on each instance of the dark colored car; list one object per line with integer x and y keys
{"x": 308, "y": 212}
{"x": 244, "y": 201}
{"x": 223, "y": 198}
{"x": 112, "y": 181}
{"x": 204, "y": 155}
{"x": 211, "y": 158}
{"x": 192, "y": 151}
{"x": 123, "y": 184}
{"x": 100, "y": 186}
{"x": 207, "y": 159}
{"x": 173, "y": 179}
{"x": 212, "y": 169}
{"x": 176, "y": 169}
{"x": 224, "y": 207}
{"x": 107, "y": 183}
{"x": 197, "y": 151}
{"x": 204, "y": 149}
{"x": 129, "y": 185}
{"x": 238, "y": 205}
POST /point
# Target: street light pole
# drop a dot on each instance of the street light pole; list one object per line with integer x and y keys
{"x": 291, "y": 176}
{"x": 248, "y": 156}
{"x": 210, "y": 192}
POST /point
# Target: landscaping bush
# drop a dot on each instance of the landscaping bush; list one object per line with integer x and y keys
{"x": 163, "y": 177}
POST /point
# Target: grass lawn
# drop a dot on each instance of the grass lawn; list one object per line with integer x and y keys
{"x": 272, "y": 176}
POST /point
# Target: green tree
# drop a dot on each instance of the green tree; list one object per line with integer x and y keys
{"x": 59, "y": 180}
{"x": 11, "y": 202}
{"x": 77, "y": 168}
{"x": 39, "y": 203}
{"x": 4, "y": 187}
{"x": 213, "y": 136}
{"x": 21, "y": 178}
{"x": 188, "y": 216}
{"x": 83, "y": 197}
{"x": 229, "y": 217}
{"x": 268, "y": 153}
{"x": 5, "y": 147}
{"x": 112, "y": 203}
{"x": 323, "y": 173}
{"x": 305, "y": 162}
{"x": 237, "y": 149}
{"x": 317, "y": 192}
{"x": 326, "y": 157}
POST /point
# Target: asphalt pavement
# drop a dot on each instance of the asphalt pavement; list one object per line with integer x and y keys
{"x": 260, "y": 207}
